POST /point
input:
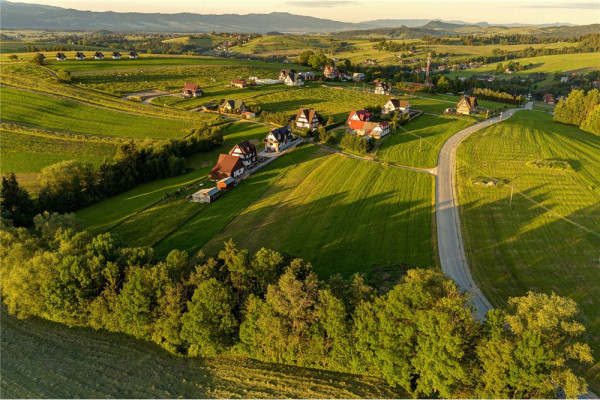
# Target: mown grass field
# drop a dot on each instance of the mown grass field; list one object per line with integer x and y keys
{"x": 64, "y": 114}
{"x": 342, "y": 214}
{"x": 419, "y": 141}
{"x": 42, "y": 359}
{"x": 548, "y": 240}
{"x": 124, "y": 208}
{"x": 22, "y": 152}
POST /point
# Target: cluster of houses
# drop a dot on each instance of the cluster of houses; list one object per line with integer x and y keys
{"x": 79, "y": 56}
{"x": 361, "y": 122}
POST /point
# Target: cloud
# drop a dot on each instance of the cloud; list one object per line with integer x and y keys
{"x": 594, "y": 5}
{"x": 319, "y": 3}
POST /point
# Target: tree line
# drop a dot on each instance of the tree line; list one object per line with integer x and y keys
{"x": 421, "y": 335}
{"x": 580, "y": 109}
{"x": 500, "y": 97}
{"x": 70, "y": 185}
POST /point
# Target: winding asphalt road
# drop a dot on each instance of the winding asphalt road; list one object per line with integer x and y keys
{"x": 450, "y": 243}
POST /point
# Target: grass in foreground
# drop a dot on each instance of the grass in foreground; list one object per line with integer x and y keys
{"x": 549, "y": 239}
{"x": 42, "y": 359}
{"x": 419, "y": 143}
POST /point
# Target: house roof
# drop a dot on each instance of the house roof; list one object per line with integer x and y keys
{"x": 367, "y": 126}
{"x": 79, "y": 54}
{"x": 133, "y": 53}
{"x": 191, "y": 86}
{"x": 309, "y": 114}
{"x": 246, "y": 147}
{"x": 399, "y": 103}
{"x": 227, "y": 180}
{"x": 98, "y": 53}
{"x": 471, "y": 101}
{"x": 363, "y": 115}
{"x": 116, "y": 53}
{"x": 233, "y": 104}
{"x": 228, "y": 164}
{"x": 238, "y": 81}
{"x": 281, "y": 134}
{"x": 287, "y": 71}
{"x": 211, "y": 192}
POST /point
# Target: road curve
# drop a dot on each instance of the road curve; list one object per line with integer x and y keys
{"x": 449, "y": 235}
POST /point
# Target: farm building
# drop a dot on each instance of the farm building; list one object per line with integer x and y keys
{"x": 60, "y": 57}
{"x": 278, "y": 139}
{"x": 116, "y": 55}
{"x": 549, "y": 98}
{"x": 294, "y": 79}
{"x": 192, "y": 90}
{"x": 467, "y": 105}
{"x": 240, "y": 83}
{"x": 206, "y": 195}
{"x": 307, "y": 118}
{"x": 227, "y": 166}
{"x": 79, "y": 56}
{"x": 246, "y": 151}
{"x": 133, "y": 55}
{"x": 331, "y": 72}
{"x": 285, "y": 72}
{"x": 230, "y": 106}
{"x": 226, "y": 183}
{"x": 396, "y": 105}
{"x": 98, "y": 56}
{"x": 383, "y": 88}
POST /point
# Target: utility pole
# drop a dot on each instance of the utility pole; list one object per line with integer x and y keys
{"x": 512, "y": 189}
{"x": 427, "y": 70}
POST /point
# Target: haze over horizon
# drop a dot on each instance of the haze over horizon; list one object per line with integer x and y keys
{"x": 578, "y": 12}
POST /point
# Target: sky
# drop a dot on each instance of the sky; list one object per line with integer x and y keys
{"x": 493, "y": 11}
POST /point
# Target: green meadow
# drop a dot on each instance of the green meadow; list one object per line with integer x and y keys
{"x": 540, "y": 229}
{"x": 42, "y": 359}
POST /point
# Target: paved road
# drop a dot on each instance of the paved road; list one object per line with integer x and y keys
{"x": 450, "y": 243}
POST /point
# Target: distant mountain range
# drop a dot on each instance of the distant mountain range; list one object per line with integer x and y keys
{"x": 34, "y": 16}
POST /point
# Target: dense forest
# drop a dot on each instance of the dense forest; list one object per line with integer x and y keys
{"x": 580, "y": 109}
{"x": 421, "y": 335}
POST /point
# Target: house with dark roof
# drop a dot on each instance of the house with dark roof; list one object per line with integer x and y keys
{"x": 227, "y": 166}
{"x": 133, "y": 55}
{"x": 60, "y": 57}
{"x": 294, "y": 79}
{"x": 192, "y": 90}
{"x": 397, "y": 106}
{"x": 116, "y": 55}
{"x": 278, "y": 139}
{"x": 331, "y": 72}
{"x": 285, "y": 72}
{"x": 230, "y": 106}
{"x": 79, "y": 56}
{"x": 467, "y": 105}
{"x": 383, "y": 88}
{"x": 307, "y": 118}
{"x": 240, "y": 83}
{"x": 98, "y": 56}
{"x": 246, "y": 151}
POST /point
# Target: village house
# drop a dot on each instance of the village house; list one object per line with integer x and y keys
{"x": 60, "y": 57}
{"x": 308, "y": 76}
{"x": 549, "y": 98}
{"x": 79, "y": 56}
{"x": 467, "y": 105}
{"x": 246, "y": 151}
{"x": 285, "y": 72}
{"x": 278, "y": 139}
{"x": 229, "y": 106}
{"x": 375, "y": 130}
{"x": 206, "y": 195}
{"x": 331, "y": 72}
{"x": 227, "y": 166}
{"x": 294, "y": 79}
{"x": 356, "y": 118}
{"x": 248, "y": 114}
{"x": 98, "y": 56}
{"x": 240, "y": 83}
{"x": 133, "y": 55}
{"x": 307, "y": 118}
{"x": 192, "y": 90}
{"x": 116, "y": 55}
{"x": 383, "y": 88}
{"x": 396, "y": 105}
{"x": 358, "y": 77}
{"x": 226, "y": 183}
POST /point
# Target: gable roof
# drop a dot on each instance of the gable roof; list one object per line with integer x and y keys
{"x": 246, "y": 148}
{"x": 233, "y": 104}
{"x": 281, "y": 134}
{"x": 79, "y": 54}
{"x": 228, "y": 164}
{"x": 309, "y": 114}
{"x": 469, "y": 100}
{"x": 397, "y": 103}
{"x": 363, "y": 115}
{"x": 287, "y": 71}
{"x": 238, "y": 81}
{"x": 191, "y": 86}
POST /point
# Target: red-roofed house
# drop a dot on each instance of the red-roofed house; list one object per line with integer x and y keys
{"x": 192, "y": 90}
{"x": 549, "y": 98}
{"x": 240, "y": 83}
{"x": 356, "y": 118}
{"x": 227, "y": 166}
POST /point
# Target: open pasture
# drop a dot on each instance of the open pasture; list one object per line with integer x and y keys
{"x": 419, "y": 143}
{"x": 546, "y": 235}
{"x": 342, "y": 214}
{"x": 43, "y": 359}
{"x": 63, "y": 114}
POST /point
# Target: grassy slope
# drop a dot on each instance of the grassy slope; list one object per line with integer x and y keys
{"x": 342, "y": 214}
{"x": 39, "y": 110}
{"x": 41, "y": 359}
{"x": 532, "y": 245}
{"x": 403, "y": 147}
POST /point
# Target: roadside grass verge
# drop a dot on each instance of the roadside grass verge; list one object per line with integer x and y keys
{"x": 547, "y": 238}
